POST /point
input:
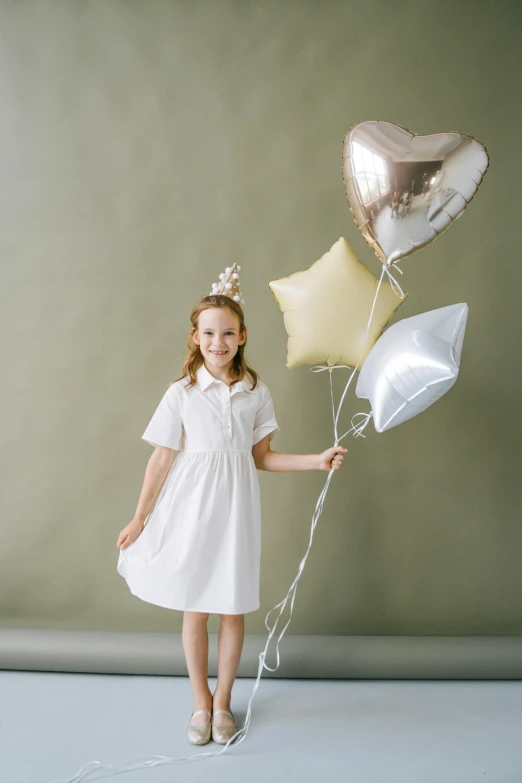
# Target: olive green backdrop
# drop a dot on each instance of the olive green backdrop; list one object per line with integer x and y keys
{"x": 144, "y": 146}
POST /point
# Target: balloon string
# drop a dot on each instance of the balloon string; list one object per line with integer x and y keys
{"x": 393, "y": 282}
{"x": 90, "y": 770}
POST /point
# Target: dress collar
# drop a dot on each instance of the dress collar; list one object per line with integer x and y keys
{"x": 205, "y": 379}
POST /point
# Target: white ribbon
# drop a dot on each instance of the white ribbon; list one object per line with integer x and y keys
{"x": 93, "y": 767}
{"x": 393, "y": 282}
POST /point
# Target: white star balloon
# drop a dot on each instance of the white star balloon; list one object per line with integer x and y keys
{"x": 412, "y": 365}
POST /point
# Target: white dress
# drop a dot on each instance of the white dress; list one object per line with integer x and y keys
{"x": 200, "y": 548}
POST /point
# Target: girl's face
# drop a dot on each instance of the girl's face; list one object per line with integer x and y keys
{"x": 218, "y": 336}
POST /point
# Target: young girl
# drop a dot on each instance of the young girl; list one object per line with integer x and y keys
{"x": 199, "y": 550}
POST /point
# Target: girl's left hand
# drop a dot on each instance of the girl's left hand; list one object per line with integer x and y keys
{"x": 331, "y": 458}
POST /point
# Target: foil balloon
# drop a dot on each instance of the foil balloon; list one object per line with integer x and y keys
{"x": 326, "y": 309}
{"x": 404, "y": 189}
{"x": 412, "y": 365}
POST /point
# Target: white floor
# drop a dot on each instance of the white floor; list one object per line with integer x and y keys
{"x": 302, "y": 730}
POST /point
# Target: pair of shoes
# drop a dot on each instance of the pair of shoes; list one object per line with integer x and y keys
{"x": 222, "y": 734}
{"x": 199, "y": 735}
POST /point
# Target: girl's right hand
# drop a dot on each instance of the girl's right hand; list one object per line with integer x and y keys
{"x": 129, "y": 534}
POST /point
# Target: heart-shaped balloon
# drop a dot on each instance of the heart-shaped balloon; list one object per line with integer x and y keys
{"x": 403, "y": 189}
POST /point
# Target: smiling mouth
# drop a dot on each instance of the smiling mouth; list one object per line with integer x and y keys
{"x": 219, "y": 353}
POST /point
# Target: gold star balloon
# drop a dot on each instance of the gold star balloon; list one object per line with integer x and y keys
{"x": 327, "y": 307}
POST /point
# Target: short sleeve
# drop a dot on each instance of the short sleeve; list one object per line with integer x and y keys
{"x": 265, "y": 422}
{"x": 166, "y": 426}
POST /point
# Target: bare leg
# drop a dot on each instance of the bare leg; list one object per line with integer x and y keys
{"x": 230, "y": 645}
{"x": 195, "y": 645}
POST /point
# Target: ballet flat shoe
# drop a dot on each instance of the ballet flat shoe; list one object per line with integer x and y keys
{"x": 199, "y": 735}
{"x": 222, "y": 734}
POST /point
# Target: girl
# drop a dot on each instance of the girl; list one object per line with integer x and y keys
{"x": 199, "y": 551}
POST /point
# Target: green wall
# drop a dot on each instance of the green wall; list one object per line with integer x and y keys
{"x": 144, "y": 147}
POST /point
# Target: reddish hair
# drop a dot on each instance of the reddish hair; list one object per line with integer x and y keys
{"x": 194, "y": 358}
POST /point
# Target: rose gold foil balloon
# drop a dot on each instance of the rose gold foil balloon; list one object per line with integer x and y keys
{"x": 403, "y": 189}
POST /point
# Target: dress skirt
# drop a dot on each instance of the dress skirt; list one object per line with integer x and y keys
{"x": 200, "y": 549}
